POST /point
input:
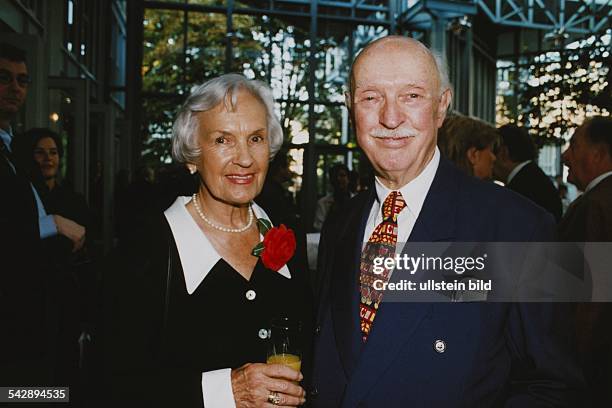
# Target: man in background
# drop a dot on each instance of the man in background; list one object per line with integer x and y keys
{"x": 516, "y": 166}
{"x": 23, "y": 224}
{"x": 589, "y": 219}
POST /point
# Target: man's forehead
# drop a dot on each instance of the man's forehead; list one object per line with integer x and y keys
{"x": 13, "y": 66}
{"x": 407, "y": 66}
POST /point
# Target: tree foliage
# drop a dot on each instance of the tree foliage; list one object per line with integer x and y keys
{"x": 557, "y": 90}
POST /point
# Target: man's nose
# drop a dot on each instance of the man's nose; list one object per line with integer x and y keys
{"x": 392, "y": 115}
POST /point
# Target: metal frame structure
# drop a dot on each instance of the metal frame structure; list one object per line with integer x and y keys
{"x": 441, "y": 23}
{"x": 569, "y": 16}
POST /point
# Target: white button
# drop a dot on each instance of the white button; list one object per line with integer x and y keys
{"x": 263, "y": 333}
{"x": 250, "y": 294}
{"x": 440, "y": 346}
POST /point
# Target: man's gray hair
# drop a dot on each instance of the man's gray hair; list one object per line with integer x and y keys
{"x": 223, "y": 89}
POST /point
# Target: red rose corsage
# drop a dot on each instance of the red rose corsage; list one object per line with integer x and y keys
{"x": 277, "y": 247}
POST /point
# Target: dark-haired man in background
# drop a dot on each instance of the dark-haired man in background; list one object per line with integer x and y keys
{"x": 23, "y": 223}
{"x": 516, "y": 166}
{"x": 21, "y": 283}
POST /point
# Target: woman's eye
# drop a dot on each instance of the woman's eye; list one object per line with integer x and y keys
{"x": 257, "y": 138}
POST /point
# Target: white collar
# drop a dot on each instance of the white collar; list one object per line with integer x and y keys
{"x": 415, "y": 191}
{"x": 515, "y": 170}
{"x": 6, "y": 136}
{"x": 597, "y": 180}
{"x": 197, "y": 254}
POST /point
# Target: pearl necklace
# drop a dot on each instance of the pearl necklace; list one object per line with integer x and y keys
{"x": 219, "y": 227}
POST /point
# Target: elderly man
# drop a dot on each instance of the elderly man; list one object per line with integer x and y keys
{"x": 589, "y": 218}
{"x": 374, "y": 353}
{"x": 589, "y": 158}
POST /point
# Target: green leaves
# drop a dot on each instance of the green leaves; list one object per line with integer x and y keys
{"x": 258, "y": 249}
{"x": 263, "y": 225}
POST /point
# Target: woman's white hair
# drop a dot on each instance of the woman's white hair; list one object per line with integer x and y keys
{"x": 223, "y": 89}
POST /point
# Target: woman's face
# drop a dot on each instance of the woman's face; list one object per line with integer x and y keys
{"x": 234, "y": 150}
{"x": 47, "y": 157}
{"x": 482, "y": 162}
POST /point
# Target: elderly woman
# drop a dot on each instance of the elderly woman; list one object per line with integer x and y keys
{"x": 470, "y": 143}
{"x": 208, "y": 299}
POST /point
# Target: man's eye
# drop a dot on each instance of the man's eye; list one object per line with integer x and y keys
{"x": 221, "y": 140}
{"x": 414, "y": 96}
{"x": 368, "y": 98}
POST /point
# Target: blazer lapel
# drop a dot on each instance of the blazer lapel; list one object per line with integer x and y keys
{"x": 344, "y": 284}
{"x": 396, "y": 322}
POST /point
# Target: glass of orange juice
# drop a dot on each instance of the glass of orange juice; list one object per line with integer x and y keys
{"x": 284, "y": 344}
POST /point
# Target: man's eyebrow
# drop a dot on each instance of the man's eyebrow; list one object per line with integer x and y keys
{"x": 401, "y": 86}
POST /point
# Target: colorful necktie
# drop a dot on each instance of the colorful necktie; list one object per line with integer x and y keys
{"x": 380, "y": 245}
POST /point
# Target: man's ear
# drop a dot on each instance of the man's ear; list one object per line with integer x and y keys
{"x": 348, "y": 101}
{"x": 472, "y": 155}
{"x": 443, "y": 106}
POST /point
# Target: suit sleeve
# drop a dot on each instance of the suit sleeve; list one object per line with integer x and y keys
{"x": 540, "y": 337}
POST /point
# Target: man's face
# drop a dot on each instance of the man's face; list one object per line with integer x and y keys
{"x": 13, "y": 93}
{"x": 397, "y": 109}
{"x": 579, "y": 157}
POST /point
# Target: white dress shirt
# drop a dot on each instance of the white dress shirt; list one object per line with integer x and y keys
{"x": 515, "y": 170}
{"x": 198, "y": 257}
{"x": 414, "y": 194}
{"x": 597, "y": 180}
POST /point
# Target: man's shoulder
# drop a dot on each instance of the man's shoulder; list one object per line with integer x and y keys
{"x": 496, "y": 208}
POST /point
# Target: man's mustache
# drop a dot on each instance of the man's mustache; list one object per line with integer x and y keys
{"x": 387, "y": 133}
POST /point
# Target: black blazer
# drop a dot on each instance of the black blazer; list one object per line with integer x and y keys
{"x": 21, "y": 281}
{"x": 532, "y": 183}
{"x": 160, "y": 339}
{"x": 497, "y": 354}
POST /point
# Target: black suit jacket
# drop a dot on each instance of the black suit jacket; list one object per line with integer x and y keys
{"x": 21, "y": 282}
{"x": 589, "y": 219}
{"x": 497, "y": 354}
{"x": 532, "y": 183}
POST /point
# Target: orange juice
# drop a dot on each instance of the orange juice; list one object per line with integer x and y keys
{"x": 289, "y": 360}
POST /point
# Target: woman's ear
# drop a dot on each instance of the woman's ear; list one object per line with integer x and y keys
{"x": 472, "y": 155}
{"x": 192, "y": 168}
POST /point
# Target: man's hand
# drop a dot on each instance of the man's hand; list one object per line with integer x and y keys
{"x": 71, "y": 230}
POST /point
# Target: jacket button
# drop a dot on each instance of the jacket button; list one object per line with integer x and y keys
{"x": 314, "y": 392}
{"x": 263, "y": 334}
{"x": 317, "y": 330}
{"x": 250, "y": 294}
{"x": 440, "y": 346}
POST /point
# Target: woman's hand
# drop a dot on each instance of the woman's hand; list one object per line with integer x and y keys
{"x": 252, "y": 385}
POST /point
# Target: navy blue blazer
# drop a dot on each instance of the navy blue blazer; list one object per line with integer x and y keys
{"x": 496, "y": 355}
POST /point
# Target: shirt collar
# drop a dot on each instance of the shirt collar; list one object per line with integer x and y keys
{"x": 7, "y": 136}
{"x": 515, "y": 170}
{"x": 415, "y": 191}
{"x": 597, "y": 180}
{"x": 197, "y": 254}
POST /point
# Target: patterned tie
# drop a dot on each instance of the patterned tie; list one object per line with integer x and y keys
{"x": 380, "y": 245}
